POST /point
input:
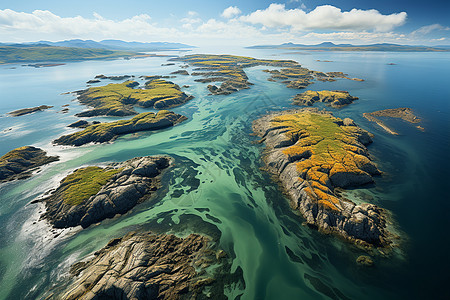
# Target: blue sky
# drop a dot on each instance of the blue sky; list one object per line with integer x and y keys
{"x": 200, "y": 22}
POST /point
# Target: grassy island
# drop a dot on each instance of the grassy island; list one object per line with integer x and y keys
{"x": 313, "y": 153}
{"x": 105, "y": 132}
{"x": 334, "y": 99}
{"x": 117, "y": 99}
{"x": 20, "y": 162}
{"x": 229, "y": 69}
{"x": 92, "y": 194}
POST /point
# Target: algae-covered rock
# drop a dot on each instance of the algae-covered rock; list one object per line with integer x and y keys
{"x": 20, "y": 162}
{"x": 364, "y": 260}
{"x": 92, "y": 194}
{"x": 105, "y": 132}
{"x": 313, "y": 153}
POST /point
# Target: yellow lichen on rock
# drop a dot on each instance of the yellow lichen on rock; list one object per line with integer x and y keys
{"x": 326, "y": 152}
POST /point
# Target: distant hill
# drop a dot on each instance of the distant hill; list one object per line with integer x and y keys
{"x": 117, "y": 45}
{"x": 46, "y": 53}
{"x": 329, "y": 46}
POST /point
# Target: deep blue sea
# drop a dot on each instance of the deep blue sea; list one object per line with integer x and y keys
{"x": 217, "y": 180}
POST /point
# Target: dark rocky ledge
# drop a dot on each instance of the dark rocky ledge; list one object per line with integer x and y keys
{"x": 105, "y": 132}
{"x": 313, "y": 153}
{"x": 145, "y": 266}
{"x": 92, "y": 194}
{"x": 20, "y": 162}
{"x": 25, "y": 111}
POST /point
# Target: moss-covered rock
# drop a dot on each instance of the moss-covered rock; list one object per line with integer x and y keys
{"x": 20, "y": 162}
{"x": 92, "y": 194}
{"x": 313, "y": 153}
{"x": 105, "y": 132}
{"x": 332, "y": 98}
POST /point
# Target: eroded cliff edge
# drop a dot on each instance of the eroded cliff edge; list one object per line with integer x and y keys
{"x": 312, "y": 153}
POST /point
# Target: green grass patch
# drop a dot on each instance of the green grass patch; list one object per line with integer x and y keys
{"x": 84, "y": 183}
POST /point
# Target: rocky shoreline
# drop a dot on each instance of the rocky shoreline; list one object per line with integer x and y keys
{"x": 312, "y": 153}
{"x": 21, "y": 162}
{"x": 404, "y": 113}
{"x": 145, "y": 266}
{"x": 92, "y": 194}
{"x": 336, "y": 99}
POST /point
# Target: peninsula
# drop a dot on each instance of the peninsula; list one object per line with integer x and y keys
{"x": 92, "y": 194}
{"x": 117, "y": 99}
{"x": 145, "y": 266}
{"x": 105, "y": 132}
{"x": 313, "y": 153}
{"x": 404, "y": 113}
{"x": 21, "y": 162}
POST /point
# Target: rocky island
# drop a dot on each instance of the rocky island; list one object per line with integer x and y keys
{"x": 334, "y": 99}
{"x": 21, "y": 162}
{"x": 105, "y": 132}
{"x": 92, "y": 194}
{"x": 313, "y": 154}
{"x": 404, "y": 113}
{"x": 118, "y": 99}
{"x": 25, "y": 111}
{"x": 145, "y": 266}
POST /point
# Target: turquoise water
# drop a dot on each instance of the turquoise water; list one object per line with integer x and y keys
{"x": 217, "y": 186}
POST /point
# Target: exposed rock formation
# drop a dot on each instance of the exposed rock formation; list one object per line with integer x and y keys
{"x": 145, "y": 266}
{"x": 403, "y": 113}
{"x": 90, "y": 195}
{"x": 20, "y": 162}
{"x": 180, "y": 72}
{"x": 25, "y": 111}
{"x": 105, "y": 132}
{"x": 332, "y": 98}
{"x": 118, "y": 99}
{"x": 313, "y": 153}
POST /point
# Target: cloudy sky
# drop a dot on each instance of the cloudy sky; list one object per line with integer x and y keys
{"x": 250, "y": 22}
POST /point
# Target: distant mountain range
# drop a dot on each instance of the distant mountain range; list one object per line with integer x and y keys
{"x": 106, "y": 44}
{"x": 329, "y": 46}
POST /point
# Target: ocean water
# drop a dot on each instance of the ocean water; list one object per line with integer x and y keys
{"x": 217, "y": 186}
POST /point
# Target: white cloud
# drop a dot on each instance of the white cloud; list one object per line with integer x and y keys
{"x": 231, "y": 12}
{"x": 429, "y": 28}
{"x": 42, "y": 24}
{"x": 192, "y": 13}
{"x": 325, "y": 17}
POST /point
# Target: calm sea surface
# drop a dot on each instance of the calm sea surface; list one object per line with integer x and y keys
{"x": 217, "y": 179}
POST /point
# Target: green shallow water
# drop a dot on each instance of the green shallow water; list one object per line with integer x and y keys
{"x": 216, "y": 185}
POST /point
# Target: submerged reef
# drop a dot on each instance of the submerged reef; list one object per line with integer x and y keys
{"x": 313, "y": 154}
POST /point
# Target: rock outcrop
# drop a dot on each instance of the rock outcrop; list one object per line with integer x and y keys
{"x": 21, "y": 162}
{"x": 404, "y": 113}
{"x": 25, "y": 111}
{"x": 105, "y": 132}
{"x": 313, "y": 153}
{"x": 145, "y": 266}
{"x": 90, "y": 195}
{"x": 334, "y": 99}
